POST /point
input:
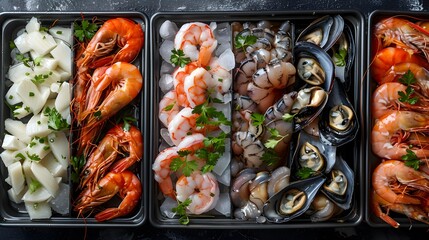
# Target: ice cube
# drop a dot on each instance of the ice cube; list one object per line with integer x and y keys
{"x": 166, "y": 83}
{"x": 227, "y": 60}
{"x": 166, "y": 207}
{"x": 166, "y": 136}
{"x": 223, "y": 162}
{"x": 166, "y": 68}
{"x": 223, "y": 32}
{"x": 225, "y": 178}
{"x": 221, "y": 48}
{"x": 223, "y": 205}
{"x": 165, "y": 50}
{"x": 61, "y": 203}
{"x": 168, "y": 30}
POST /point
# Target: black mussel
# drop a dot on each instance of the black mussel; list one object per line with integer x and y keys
{"x": 338, "y": 124}
{"x": 339, "y": 185}
{"x": 311, "y": 157}
{"x": 324, "y": 31}
{"x": 308, "y": 104}
{"x": 343, "y": 55}
{"x": 293, "y": 200}
{"x": 314, "y": 65}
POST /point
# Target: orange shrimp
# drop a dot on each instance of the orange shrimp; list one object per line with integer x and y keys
{"x": 411, "y": 211}
{"x": 197, "y": 86}
{"x": 394, "y": 133}
{"x": 124, "y": 33}
{"x": 392, "y": 171}
{"x": 388, "y": 57}
{"x": 123, "y": 82}
{"x": 168, "y": 107}
{"x": 404, "y": 34}
{"x": 385, "y": 99}
{"x": 106, "y": 153}
{"x": 197, "y": 42}
{"x": 126, "y": 184}
{"x": 184, "y": 123}
{"x": 80, "y": 86}
{"x": 179, "y": 77}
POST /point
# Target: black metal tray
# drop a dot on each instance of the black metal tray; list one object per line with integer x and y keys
{"x": 369, "y": 86}
{"x": 12, "y": 22}
{"x": 351, "y": 217}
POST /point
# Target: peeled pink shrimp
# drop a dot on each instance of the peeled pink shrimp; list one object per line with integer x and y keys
{"x": 194, "y": 36}
{"x": 182, "y": 124}
{"x": 201, "y": 188}
{"x": 161, "y": 168}
{"x": 197, "y": 86}
{"x": 168, "y": 107}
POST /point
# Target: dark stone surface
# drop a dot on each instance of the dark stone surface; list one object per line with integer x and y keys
{"x": 150, "y": 7}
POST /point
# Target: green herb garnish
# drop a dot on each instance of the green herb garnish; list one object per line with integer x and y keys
{"x": 55, "y": 120}
{"x": 340, "y": 57}
{"x": 214, "y": 148}
{"x": 209, "y": 115}
{"x": 257, "y": 119}
{"x": 411, "y": 159}
{"x": 40, "y": 78}
{"x": 34, "y": 185}
{"x": 270, "y": 157}
{"x": 169, "y": 107}
{"x": 408, "y": 79}
{"x": 288, "y": 117}
{"x": 275, "y": 138}
{"x": 304, "y": 173}
{"x": 180, "y": 210}
{"x": 244, "y": 41}
{"x": 77, "y": 164}
{"x": 85, "y": 31}
{"x": 33, "y": 157}
{"x": 178, "y": 58}
{"x": 181, "y": 162}
{"x": 25, "y": 60}
{"x": 12, "y": 45}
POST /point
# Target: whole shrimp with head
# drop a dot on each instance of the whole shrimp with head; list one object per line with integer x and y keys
{"x": 118, "y": 33}
{"x": 126, "y": 184}
{"x": 120, "y": 84}
{"x": 395, "y": 133}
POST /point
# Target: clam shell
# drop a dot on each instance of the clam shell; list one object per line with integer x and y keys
{"x": 329, "y": 135}
{"x": 343, "y": 201}
{"x": 328, "y": 152}
{"x": 308, "y": 186}
{"x": 331, "y": 27}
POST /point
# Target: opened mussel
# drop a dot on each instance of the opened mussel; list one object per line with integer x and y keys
{"x": 293, "y": 200}
{"x": 311, "y": 154}
{"x": 339, "y": 184}
{"x": 343, "y": 55}
{"x": 338, "y": 124}
{"x": 314, "y": 65}
{"x": 323, "y": 31}
{"x": 322, "y": 209}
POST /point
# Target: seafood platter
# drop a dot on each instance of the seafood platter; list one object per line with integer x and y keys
{"x": 395, "y": 92}
{"x": 256, "y": 120}
{"x": 74, "y": 88}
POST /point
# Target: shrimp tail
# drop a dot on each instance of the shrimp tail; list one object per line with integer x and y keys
{"x": 375, "y": 205}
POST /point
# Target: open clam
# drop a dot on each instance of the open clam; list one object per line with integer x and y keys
{"x": 311, "y": 153}
{"x": 292, "y": 201}
{"x": 339, "y": 185}
{"x": 324, "y": 31}
{"x": 338, "y": 124}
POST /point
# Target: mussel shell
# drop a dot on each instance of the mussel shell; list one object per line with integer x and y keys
{"x": 343, "y": 201}
{"x": 331, "y": 26}
{"x": 328, "y": 152}
{"x": 345, "y": 74}
{"x": 310, "y": 50}
{"x": 308, "y": 186}
{"x": 332, "y": 136}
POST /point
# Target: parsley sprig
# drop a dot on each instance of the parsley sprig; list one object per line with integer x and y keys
{"x": 407, "y": 97}
{"x": 77, "y": 162}
{"x": 275, "y": 138}
{"x": 181, "y": 162}
{"x": 178, "y": 58}
{"x": 180, "y": 210}
{"x": 55, "y": 120}
{"x": 411, "y": 159}
{"x": 340, "y": 57}
{"x": 209, "y": 115}
{"x": 257, "y": 119}
{"x": 85, "y": 31}
{"x": 214, "y": 148}
{"x": 304, "y": 173}
{"x": 244, "y": 41}
{"x": 270, "y": 157}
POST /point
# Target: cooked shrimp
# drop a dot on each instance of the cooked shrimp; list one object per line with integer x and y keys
{"x": 123, "y": 82}
{"x": 197, "y": 86}
{"x": 420, "y": 73}
{"x": 411, "y": 211}
{"x": 161, "y": 168}
{"x": 179, "y": 80}
{"x": 201, "y": 188}
{"x": 220, "y": 76}
{"x": 106, "y": 153}
{"x": 391, "y": 171}
{"x": 404, "y": 34}
{"x": 126, "y": 184}
{"x": 184, "y": 123}
{"x": 390, "y": 56}
{"x": 386, "y": 99}
{"x": 126, "y": 34}
{"x": 197, "y": 42}
{"x": 394, "y": 133}
{"x": 80, "y": 86}
{"x": 168, "y": 107}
